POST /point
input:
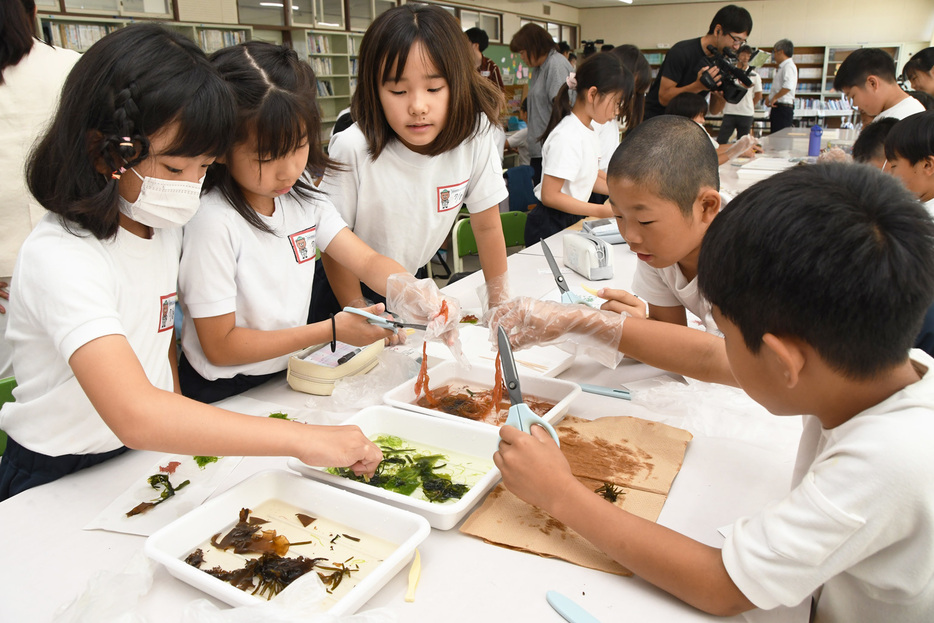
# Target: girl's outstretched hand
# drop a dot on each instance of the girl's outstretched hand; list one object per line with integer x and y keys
{"x": 354, "y": 329}
{"x": 342, "y": 446}
{"x": 420, "y": 301}
{"x": 533, "y": 467}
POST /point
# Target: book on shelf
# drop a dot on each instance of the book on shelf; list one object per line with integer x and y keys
{"x": 78, "y": 36}
{"x": 322, "y": 66}
{"x": 213, "y": 39}
{"x": 325, "y": 88}
{"x": 319, "y": 44}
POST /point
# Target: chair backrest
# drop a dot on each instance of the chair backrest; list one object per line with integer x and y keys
{"x": 521, "y": 188}
{"x": 514, "y": 228}
{"x": 6, "y": 395}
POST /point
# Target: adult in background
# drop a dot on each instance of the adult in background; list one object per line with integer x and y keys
{"x": 782, "y": 94}
{"x": 31, "y": 78}
{"x": 550, "y": 70}
{"x": 687, "y": 61}
{"x": 480, "y": 41}
{"x": 740, "y": 116}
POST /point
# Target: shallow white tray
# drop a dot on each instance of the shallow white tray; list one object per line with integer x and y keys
{"x": 173, "y": 543}
{"x": 559, "y": 391}
{"x": 455, "y": 436}
{"x": 547, "y": 361}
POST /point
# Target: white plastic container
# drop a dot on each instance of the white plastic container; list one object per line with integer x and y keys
{"x": 456, "y": 436}
{"x": 174, "y": 542}
{"x": 558, "y": 391}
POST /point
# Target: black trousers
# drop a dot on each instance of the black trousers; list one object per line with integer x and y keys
{"x": 201, "y": 389}
{"x": 741, "y": 123}
{"x": 781, "y": 117}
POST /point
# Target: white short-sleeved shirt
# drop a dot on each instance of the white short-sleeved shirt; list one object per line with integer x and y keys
{"x": 860, "y": 522}
{"x": 745, "y": 107}
{"x": 404, "y": 204}
{"x": 520, "y": 142}
{"x": 572, "y": 153}
{"x": 904, "y": 108}
{"x": 70, "y": 289}
{"x": 229, "y": 266}
{"x": 608, "y": 137}
{"x": 786, "y": 77}
{"x": 668, "y": 287}
{"x": 929, "y": 205}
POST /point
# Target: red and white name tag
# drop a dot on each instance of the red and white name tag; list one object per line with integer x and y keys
{"x": 303, "y": 245}
{"x": 167, "y": 311}
{"x": 451, "y": 197}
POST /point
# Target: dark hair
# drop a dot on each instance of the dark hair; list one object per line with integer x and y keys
{"x": 926, "y": 99}
{"x": 912, "y": 138}
{"x": 602, "y": 71}
{"x": 862, "y": 63}
{"x": 572, "y": 56}
{"x": 606, "y": 47}
{"x": 524, "y": 106}
{"x": 744, "y": 49}
{"x": 564, "y": 48}
{"x": 16, "y": 32}
{"x": 785, "y": 46}
{"x": 921, "y": 62}
{"x": 687, "y": 105}
{"x": 383, "y": 53}
{"x": 871, "y": 141}
{"x": 732, "y": 18}
{"x": 343, "y": 122}
{"x": 116, "y": 90}
{"x": 838, "y": 255}
{"x": 670, "y": 155}
{"x": 478, "y": 36}
{"x": 533, "y": 40}
{"x": 276, "y": 111}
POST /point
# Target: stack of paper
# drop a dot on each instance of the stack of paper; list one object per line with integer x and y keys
{"x": 761, "y": 168}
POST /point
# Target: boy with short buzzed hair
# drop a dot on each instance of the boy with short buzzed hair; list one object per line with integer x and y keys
{"x": 819, "y": 277}
{"x": 867, "y": 77}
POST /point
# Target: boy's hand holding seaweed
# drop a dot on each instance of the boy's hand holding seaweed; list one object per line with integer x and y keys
{"x": 343, "y": 446}
{"x": 573, "y": 328}
{"x": 420, "y": 301}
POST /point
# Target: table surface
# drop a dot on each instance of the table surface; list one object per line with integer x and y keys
{"x": 741, "y": 457}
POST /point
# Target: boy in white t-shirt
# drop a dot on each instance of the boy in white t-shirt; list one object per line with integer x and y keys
{"x": 790, "y": 268}
{"x": 867, "y": 77}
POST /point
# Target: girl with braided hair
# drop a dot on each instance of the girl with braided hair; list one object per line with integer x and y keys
{"x": 120, "y": 171}
{"x": 248, "y": 260}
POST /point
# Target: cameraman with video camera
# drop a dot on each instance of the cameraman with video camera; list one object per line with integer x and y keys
{"x": 690, "y": 61}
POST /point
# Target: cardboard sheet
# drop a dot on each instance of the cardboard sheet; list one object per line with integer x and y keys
{"x": 640, "y": 457}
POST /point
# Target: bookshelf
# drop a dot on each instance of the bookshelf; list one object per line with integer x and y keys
{"x": 213, "y": 37}
{"x": 333, "y": 56}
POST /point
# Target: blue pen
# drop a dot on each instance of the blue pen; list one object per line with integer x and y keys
{"x": 606, "y": 391}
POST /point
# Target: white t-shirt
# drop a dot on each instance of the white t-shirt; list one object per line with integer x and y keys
{"x": 229, "y": 266}
{"x": 668, "y": 287}
{"x": 608, "y": 137}
{"x": 572, "y": 153}
{"x": 930, "y": 207}
{"x": 404, "y": 204}
{"x": 67, "y": 291}
{"x": 904, "y": 108}
{"x": 745, "y": 107}
{"x": 519, "y": 141}
{"x": 860, "y": 522}
{"x": 786, "y": 77}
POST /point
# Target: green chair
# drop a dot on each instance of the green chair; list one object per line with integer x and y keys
{"x": 6, "y": 395}
{"x": 464, "y": 243}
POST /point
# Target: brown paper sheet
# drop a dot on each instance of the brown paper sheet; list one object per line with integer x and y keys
{"x": 640, "y": 457}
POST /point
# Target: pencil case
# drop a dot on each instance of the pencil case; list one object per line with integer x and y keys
{"x": 315, "y": 369}
{"x": 588, "y": 255}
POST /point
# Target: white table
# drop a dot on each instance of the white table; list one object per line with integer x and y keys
{"x": 739, "y": 459}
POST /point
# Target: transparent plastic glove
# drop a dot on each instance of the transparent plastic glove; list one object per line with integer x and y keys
{"x": 745, "y": 146}
{"x": 492, "y": 294}
{"x": 577, "y": 329}
{"x": 419, "y": 301}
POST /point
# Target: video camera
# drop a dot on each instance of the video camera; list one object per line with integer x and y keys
{"x": 733, "y": 80}
{"x": 590, "y": 47}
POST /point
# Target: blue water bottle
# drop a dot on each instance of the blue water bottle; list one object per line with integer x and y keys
{"x": 814, "y": 141}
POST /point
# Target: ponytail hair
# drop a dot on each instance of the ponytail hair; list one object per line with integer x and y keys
{"x": 129, "y": 86}
{"x": 16, "y": 32}
{"x": 632, "y": 109}
{"x": 604, "y": 71}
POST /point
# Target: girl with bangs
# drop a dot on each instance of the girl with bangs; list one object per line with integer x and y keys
{"x": 422, "y": 146}
{"x": 92, "y": 307}
{"x": 248, "y": 258}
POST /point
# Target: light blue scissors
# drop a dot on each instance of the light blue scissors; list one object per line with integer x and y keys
{"x": 520, "y": 415}
{"x": 566, "y": 295}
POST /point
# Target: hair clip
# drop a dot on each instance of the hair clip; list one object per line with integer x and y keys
{"x": 116, "y": 174}
{"x": 127, "y": 142}
{"x": 571, "y": 81}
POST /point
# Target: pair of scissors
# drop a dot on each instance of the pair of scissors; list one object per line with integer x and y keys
{"x": 566, "y": 295}
{"x": 520, "y": 416}
{"x": 384, "y": 323}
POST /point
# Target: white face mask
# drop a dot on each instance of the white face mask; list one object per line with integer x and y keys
{"x": 163, "y": 203}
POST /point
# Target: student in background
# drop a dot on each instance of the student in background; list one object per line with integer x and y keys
{"x": 423, "y": 145}
{"x": 519, "y": 140}
{"x": 248, "y": 255}
{"x": 869, "y": 147}
{"x": 740, "y": 116}
{"x": 91, "y": 321}
{"x": 479, "y": 41}
{"x": 919, "y": 70}
{"x": 856, "y": 530}
{"x": 549, "y": 72}
{"x": 781, "y": 97}
{"x": 664, "y": 192}
{"x": 571, "y": 155}
{"x": 572, "y": 58}
{"x": 564, "y": 49}
{"x": 31, "y": 77}
{"x": 867, "y": 77}
{"x": 694, "y": 107}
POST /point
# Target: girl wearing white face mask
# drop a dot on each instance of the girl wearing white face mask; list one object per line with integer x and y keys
{"x": 91, "y": 310}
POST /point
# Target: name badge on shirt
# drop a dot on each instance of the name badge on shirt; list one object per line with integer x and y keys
{"x": 303, "y": 245}
{"x": 167, "y": 311}
{"x": 451, "y": 197}
{"x": 485, "y": 74}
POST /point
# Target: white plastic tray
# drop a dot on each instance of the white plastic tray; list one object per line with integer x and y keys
{"x": 173, "y": 543}
{"x": 559, "y": 391}
{"x": 456, "y": 436}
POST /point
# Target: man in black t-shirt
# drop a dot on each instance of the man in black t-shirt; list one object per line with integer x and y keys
{"x": 686, "y": 61}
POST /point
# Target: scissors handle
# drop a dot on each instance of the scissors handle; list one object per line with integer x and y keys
{"x": 373, "y": 319}
{"x": 570, "y": 297}
{"x": 522, "y": 418}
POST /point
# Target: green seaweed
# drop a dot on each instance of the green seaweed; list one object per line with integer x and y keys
{"x": 204, "y": 461}
{"x": 280, "y": 416}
